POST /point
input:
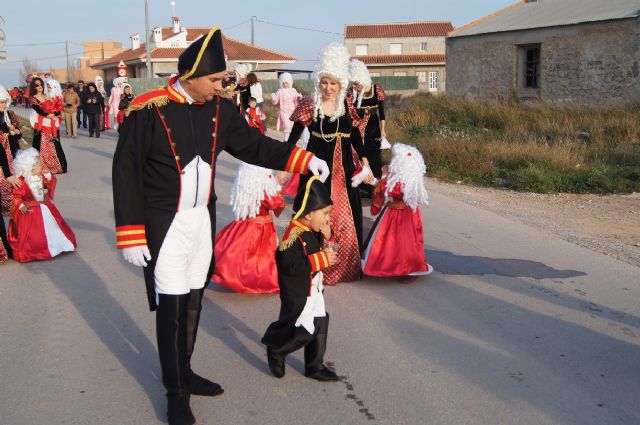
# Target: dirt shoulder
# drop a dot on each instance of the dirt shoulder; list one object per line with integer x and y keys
{"x": 607, "y": 224}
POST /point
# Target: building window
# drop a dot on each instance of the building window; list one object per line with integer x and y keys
{"x": 422, "y": 76}
{"x": 423, "y": 47}
{"x": 395, "y": 48}
{"x": 362, "y": 49}
{"x": 433, "y": 80}
{"x": 531, "y": 67}
{"x": 400, "y": 74}
{"x": 374, "y": 74}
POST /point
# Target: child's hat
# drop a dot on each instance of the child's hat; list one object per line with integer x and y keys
{"x": 311, "y": 197}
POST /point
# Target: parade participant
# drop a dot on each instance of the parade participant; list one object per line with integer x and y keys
{"x": 94, "y": 103}
{"x": 329, "y": 123}
{"x": 45, "y": 116}
{"x": 164, "y": 200}
{"x": 104, "y": 115}
{"x": 125, "y": 101}
{"x": 303, "y": 320}
{"x": 293, "y": 180}
{"x": 255, "y": 91}
{"x": 255, "y": 116}
{"x": 114, "y": 100}
{"x": 9, "y": 127}
{"x": 246, "y": 247}
{"x": 287, "y": 98}
{"x": 242, "y": 86}
{"x": 37, "y": 231}
{"x": 367, "y": 100}
{"x": 395, "y": 246}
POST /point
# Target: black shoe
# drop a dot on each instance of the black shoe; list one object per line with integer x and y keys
{"x": 276, "y": 363}
{"x": 179, "y": 412}
{"x": 91, "y": 135}
{"x": 202, "y": 386}
{"x": 323, "y": 374}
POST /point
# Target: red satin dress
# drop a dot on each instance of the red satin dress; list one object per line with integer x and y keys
{"x": 41, "y": 233}
{"x": 395, "y": 245}
{"x": 245, "y": 252}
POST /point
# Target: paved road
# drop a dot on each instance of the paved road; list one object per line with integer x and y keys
{"x": 514, "y": 327}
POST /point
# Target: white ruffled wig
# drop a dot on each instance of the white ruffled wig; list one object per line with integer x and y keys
{"x": 24, "y": 162}
{"x": 241, "y": 70}
{"x": 407, "y": 168}
{"x": 4, "y": 94}
{"x": 52, "y": 88}
{"x": 285, "y": 77}
{"x": 333, "y": 62}
{"x": 119, "y": 82}
{"x": 249, "y": 189}
{"x": 359, "y": 74}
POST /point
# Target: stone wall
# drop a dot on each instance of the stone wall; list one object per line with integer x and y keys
{"x": 594, "y": 63}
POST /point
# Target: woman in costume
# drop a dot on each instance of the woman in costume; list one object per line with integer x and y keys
{"x": 114, "y": 101}
{"x": 245, "y": 249}
{"x": 287, "y": 98}
{"x": 37, "y": 231}
{"x": 104, "y": 117}
{"x": 45, "y": 117}
{"x": 242, "y": 89}
{"x": 395, "y": 246}
{"x": 125, "y": 101}
{"x": 367, "y": 99}
{"x": 329, "y": 123}
{"x": 9, "y": 145}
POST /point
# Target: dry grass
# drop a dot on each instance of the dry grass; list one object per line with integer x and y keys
{"x": 523, "y": 147}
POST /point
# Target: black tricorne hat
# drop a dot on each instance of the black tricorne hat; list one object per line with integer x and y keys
{"x": 203, "y": 57}
{"x": 311, "y": 197}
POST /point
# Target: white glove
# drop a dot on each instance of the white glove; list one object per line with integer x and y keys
{"x": 319, "y": 168}
{"x": 136, "y": 255}
{"x": 357, "y": 179}
{"x": 384, "y": 143}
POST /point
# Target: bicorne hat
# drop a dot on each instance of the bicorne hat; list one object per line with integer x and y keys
{"x": 311, "y": 197}
{"x": 204, "y": 56}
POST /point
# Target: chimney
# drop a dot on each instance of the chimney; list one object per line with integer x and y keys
{"x": 157, "y": 36}
{"x": 176, "y": 24}
{"x": 135, "y": 41}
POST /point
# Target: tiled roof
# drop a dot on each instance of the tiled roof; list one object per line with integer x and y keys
{"x": 550, "y": 13}
{"x": 401, "y": 59}
{"x": 409, "y": 29}
{"x": 234, "y": 49}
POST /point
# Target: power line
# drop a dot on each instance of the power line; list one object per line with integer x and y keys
{"x": 236, "y": 25}
{"x": 35, "y": 44}
{"x": 297, "y": 28}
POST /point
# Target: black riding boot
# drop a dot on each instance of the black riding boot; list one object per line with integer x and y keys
{"x": 314, "y": 353}
{"x": 197, "y": 384}
{"x": 171, "y": 331}
{"x": 277, "y": 355}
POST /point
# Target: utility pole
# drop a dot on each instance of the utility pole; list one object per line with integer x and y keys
{"x": 66, "y": 48}
{"x": 146, "y": 29}
{"x": 253, "y": 18}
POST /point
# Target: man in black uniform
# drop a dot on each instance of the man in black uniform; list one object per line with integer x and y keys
{"x": 164, "y": 200}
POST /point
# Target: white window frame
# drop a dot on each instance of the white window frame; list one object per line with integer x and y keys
{"x": 395, "y": 48}
{"x": 422, "y": 77}
{"x": 362, "y": 49}
{"x": 434, "y": 80}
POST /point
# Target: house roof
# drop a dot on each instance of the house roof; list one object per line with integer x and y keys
{"x": 530, "y": 14}
{"x": 235, "y": 50}
{"x": 401, "y": 59}
{"x": 391, "y": 30}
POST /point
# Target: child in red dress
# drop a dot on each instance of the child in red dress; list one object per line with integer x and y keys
{"x": 395, "y": 246}
{"x": 37, "y": 231}
{"x": 255, "y": 116}
{"x": 245, "y": 248}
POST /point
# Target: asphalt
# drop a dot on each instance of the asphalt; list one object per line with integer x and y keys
{"x": 514, "y": 326}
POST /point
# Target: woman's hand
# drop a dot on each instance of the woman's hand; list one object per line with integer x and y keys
{"x": 383, "y": 134}
{"x": 23, "y": 209}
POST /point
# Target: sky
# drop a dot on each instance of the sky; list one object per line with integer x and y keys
{"x": 38, "y": 30}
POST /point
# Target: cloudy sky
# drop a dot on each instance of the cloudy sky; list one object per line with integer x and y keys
{"x": 38, "y": 29}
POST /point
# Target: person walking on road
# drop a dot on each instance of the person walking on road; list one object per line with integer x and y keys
{"x": 70, "y": 112}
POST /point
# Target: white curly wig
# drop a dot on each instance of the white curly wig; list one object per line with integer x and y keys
{"x": 242, "y": 69}
{"x": 52, "y": 88}
{"x": 333, "y": 62}
{"x": 407, "y": 168}
{"x": 359, "y": 74}
{"x": 24, "y": 162}
{"x": 4, "y": 94}
{"x": 249, "y": 189}
{"x": 285, "y": 77}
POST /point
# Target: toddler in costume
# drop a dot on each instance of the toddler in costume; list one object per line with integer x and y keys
{"x": 37, "y": 231}
{"x": 255, "y": 116}
{"x": 245, "y": 249}
{"x": 395, "y": 245}
{"x": 303, "y": 320}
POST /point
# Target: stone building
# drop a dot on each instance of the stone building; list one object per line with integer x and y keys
{"x": 555, "y": 51}
{"x": 402, "y": 49}
{"x": 167, "y": 43}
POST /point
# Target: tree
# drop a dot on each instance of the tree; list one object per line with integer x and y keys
{"x": 28, "y": 68}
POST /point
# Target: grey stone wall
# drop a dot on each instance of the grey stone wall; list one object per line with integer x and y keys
{"x": 595, "y": 63}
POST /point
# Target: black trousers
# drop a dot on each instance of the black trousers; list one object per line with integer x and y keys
{"x": 3, "y": 235}
{"x": 94, "y": 124}
{"x": 314, "y": 344}
{"x": 84, "y": 117}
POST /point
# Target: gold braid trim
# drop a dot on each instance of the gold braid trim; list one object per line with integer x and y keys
{"x": 294, "y": 232}
{"x": 149, "y": 103}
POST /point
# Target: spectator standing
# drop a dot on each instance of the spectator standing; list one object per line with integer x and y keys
{"x": 93, "y": 109}
{"x": 71, "y": 104}
{"x": 82, "y": 94}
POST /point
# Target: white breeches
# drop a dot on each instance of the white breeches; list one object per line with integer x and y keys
{"x": 185, "y": 254}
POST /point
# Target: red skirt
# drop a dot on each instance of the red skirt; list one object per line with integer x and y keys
{"x": 291, "y": 188}
{"x": 245, "y": 253}
{"x": 395, "y": 246}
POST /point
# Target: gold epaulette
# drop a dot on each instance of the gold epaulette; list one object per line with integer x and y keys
{"x": 151, "y": 102}
{"x": 289, "y": 237}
